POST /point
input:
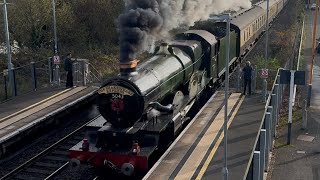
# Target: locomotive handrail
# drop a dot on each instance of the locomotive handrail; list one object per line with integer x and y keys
{"x": 160, "y": 107}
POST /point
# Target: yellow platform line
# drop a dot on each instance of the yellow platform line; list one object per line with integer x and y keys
{"x": 34, "y": 105}
{"x": 215, "y": 148}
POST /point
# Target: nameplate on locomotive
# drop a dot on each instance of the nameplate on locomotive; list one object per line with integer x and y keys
{"x": 114, "y": 90}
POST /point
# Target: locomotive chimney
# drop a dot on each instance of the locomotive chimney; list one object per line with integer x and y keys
{"x": 129, "y": 68}
{"x": 164, "y": 49}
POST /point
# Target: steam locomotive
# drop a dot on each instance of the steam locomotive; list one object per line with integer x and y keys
{"x": 145, "y": 108}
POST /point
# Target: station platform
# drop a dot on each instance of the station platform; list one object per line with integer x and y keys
{"x": 25, "y": 114}
{"x": 198, "y": 153}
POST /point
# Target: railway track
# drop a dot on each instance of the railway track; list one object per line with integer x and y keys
{"x": 48, "y": 163}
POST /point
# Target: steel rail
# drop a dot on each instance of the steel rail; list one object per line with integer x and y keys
{"x": 57, "y": 171}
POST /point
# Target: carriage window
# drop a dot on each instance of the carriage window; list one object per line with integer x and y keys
{"x": 247, "y": 34}
{"x": 260, "y": 21}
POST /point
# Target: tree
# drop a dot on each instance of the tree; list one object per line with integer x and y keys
{"x": 29, "y": 21}
{"x": 84, "y": 27}
{"x": 99, "y": 16}
{"x": 31, "y": 25}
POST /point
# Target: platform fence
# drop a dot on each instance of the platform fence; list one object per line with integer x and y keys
{"x": 45, "y": 74}
{"x": 260, "y": 157}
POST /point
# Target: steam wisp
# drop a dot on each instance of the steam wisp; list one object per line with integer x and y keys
{"x": 145, "y": 21}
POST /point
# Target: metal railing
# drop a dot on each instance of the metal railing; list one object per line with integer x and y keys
{"x": 256, "y": 79}
{"x": 25, "y": 79}
{"x": 44, "y": 74}
{"x": 84, "y": 73}
{"x": 259, "y": 160}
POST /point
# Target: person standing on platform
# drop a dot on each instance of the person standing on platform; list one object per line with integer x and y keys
{"x": 247, "y": 74}
{"x": 68, "y": 68}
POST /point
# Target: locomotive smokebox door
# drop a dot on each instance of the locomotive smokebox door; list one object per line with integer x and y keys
{"x": 120, "y": 102}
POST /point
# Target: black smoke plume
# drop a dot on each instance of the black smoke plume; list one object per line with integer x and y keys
{"x": 146, "y": 20}
{"x": 138, "y": 27}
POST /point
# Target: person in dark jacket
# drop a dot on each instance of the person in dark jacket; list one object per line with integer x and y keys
{"x": 247, "y": 74}
{"x": 68, "y": 68}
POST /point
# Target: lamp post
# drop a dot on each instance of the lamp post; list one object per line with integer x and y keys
{"x": 10, "y": 65}
{"x": 56, "y": 58}
{"x": 313, "y": 53}
{"x": 226, "y": 95}
{"x": 264, "y": 82}
{"x": 55, "y": 27}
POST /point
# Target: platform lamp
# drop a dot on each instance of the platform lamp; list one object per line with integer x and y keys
{"x": 264, "y": 82}
{"x": 226, "y": 18}
{"x": 10, "y": 65}
{"x": 309, "y": 88}
{"x": 55, "y": 27}
{"x": 57, "y": 74}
